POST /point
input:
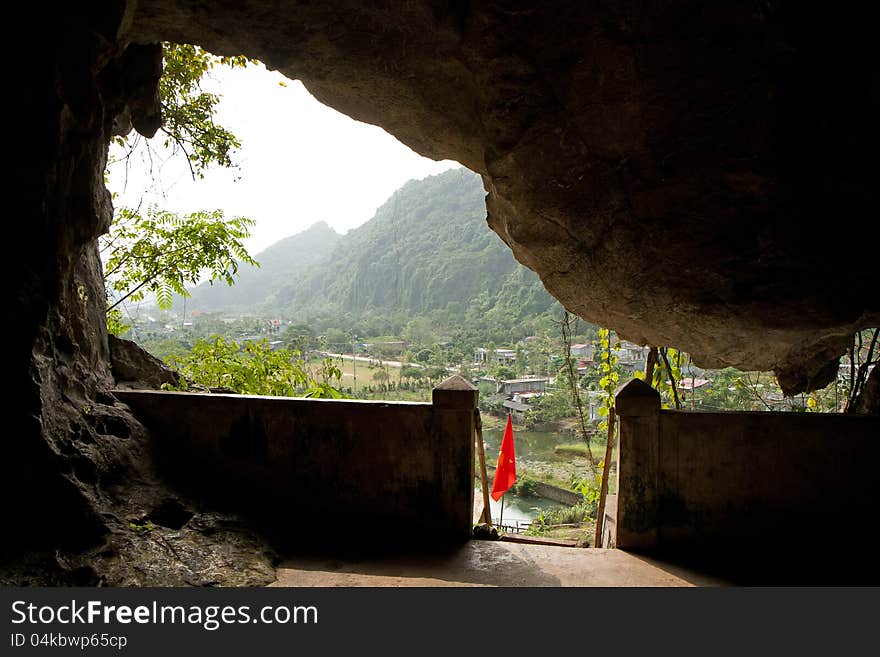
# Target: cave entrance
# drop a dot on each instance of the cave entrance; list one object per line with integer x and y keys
{"x": 421, "y": 291}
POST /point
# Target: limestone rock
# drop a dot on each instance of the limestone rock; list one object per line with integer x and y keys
{"x": 135, "y": 368}
{"x": 485, "y": 532}
{"x": 76, "y": 462}
{"x": 689, "y": 176}
{"x": 700, "y": 175}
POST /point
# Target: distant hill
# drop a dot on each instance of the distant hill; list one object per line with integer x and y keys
{"x": 428, "y": 248}
{"x": 287, "y": 260}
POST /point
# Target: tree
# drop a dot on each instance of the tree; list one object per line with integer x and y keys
{"x": 520, "y": 362}
{"x": 490, "y": 354}
{"x": 727, "y": 392}
{"x": 159, "y": 252}
{"x": 381, "y": 376}
{"x": 301, "y": 338}
{"x": 863, "y": 357}
{"x": 337, "y": 340}
{"x": 554, "y": 406}
{"x": 414, "y": 373}
{"x": 419, "y": 332}
{"x": 436, "y": 373}
{"x": 254, "y": 368}
{"x": 188, "y": 111}
{"x": 666, "y": 375}
{"x": 539, "y": 355}
{"x": 503, "y": 372}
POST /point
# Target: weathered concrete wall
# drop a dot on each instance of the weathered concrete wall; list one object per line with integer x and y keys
{"x": 381, "y": 468}
{"x": 721, "y": 479}
{"x": 543, "y": 489}
{"x": 609, "y": 526}
{"x": 551, "y": 492}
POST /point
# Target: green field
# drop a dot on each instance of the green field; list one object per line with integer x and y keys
{"x": 366, "y": 376}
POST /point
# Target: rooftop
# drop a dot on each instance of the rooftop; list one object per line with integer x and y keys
{"x": 527, "y": 380}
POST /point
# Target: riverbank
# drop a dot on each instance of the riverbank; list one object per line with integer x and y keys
{"x": 537, "y": 455}
{"x": 547, "y": 463}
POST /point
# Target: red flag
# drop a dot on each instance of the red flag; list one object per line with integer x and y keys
{"x": 505, "y": 473}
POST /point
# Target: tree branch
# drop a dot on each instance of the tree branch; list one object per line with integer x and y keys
{"x": 138, "y": 287}
{"x": 182, "y": 146}
{"x": 754, "y": 390}
{"x": 575, "y": 392}
{"x": 671, "y": 379}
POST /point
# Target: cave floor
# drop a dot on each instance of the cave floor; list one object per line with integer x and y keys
{"x": 488, "y": 563}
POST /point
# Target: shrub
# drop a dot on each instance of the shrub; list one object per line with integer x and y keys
{"x": 525, "y": 486}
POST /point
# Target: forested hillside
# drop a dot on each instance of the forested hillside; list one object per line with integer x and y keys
{"x": 287, "y": 260}
{"x": 427, "y": 251}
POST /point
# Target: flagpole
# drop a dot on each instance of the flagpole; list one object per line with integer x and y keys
{"x": 501, "y": 522}
{"x": 505, "y": 473}
{"x": 484, "y": 479}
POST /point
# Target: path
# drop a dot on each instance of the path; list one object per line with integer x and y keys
{"x": 382, "y": 361}
{"x": 366, "y": 359}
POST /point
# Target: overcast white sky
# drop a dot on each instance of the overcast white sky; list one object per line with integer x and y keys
{"x": 300, "y": 162}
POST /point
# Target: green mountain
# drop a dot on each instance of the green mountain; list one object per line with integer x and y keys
{"x": 427, "y": 252}
{"x": 427, "y": 248}
{"x": 287, "y": 260}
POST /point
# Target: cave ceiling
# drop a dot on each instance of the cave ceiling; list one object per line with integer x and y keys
{"x": 700, "y": 175}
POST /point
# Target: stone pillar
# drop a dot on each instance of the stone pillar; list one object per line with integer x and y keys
{"x": 454, "y": 401}
{"x": 638, "y": 412}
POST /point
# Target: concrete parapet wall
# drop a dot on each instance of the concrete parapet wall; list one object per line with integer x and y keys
{"x": 389, "y": 467}
{"x": 543, "y": 489}
{"x": 555, "y": 493}
{"x": 718, "y": 479}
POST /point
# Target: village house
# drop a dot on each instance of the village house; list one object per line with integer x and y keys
{"x": 515, "y": 395}
{"x": 631, "y": 356}
{"x": 511, "y": 387}
{"x": 481, "y": 356}
{"x": 582, "y": 350}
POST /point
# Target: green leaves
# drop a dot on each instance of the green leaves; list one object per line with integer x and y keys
{"x": 254, "y": 368}
{"x": 161, "y": 253}
{"x": 608, "y": 366}
{"x": 115, "y": 325}
{"x": 188, "y": 111}
{"x": 164, "y": 295}
{"x": 667, "y": 374}
{"x": 588, "y": 490}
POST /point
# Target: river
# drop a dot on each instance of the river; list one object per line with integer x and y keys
{"x": 536, "y": 455}
{"x": 518, "y": 509}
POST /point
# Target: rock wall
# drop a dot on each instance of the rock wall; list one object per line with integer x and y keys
{"x": 323, "y": 470}
{"x": 77, "y": 468}
{"x": 690, "y": 175}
